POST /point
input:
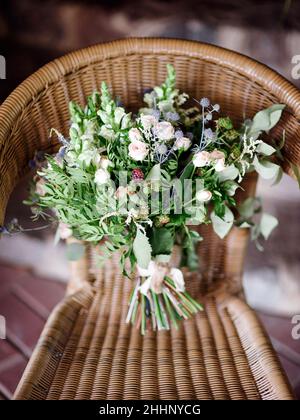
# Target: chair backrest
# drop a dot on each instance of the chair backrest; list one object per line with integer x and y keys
{"x": 239, "y": 84}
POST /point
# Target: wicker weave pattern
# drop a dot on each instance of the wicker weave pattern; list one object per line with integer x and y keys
{"x": 87, "y": 351}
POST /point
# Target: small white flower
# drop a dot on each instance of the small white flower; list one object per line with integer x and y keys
{"x": 64, "y": 231}
{"x": 182, "y": 143}
{"x": 105, "y": 162}
{"x": 121, "y": 192}
{"x": 148, "y": 121}
{"x": 101, "y": 176}
{"x": 39, "y": 187}
{"x": 138, "y": 150}
{"x": 203, "y": 195}
{"x": 164, "y": 130}
{"x": 134, "y": 134}
{"x": 201, "y": 159}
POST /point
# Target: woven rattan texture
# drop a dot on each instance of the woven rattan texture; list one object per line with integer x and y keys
{"x": 87, "y": 351}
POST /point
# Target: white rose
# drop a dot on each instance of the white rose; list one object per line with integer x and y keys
{"x": 148, "y": 121}
{"x": 203, "y": 195}
{"x": 101, "y": 176}
{"x": 138, "y": 150}
{"x": 164, "y": 130}
{"x": 182, "y": 143}
{"x": 220, "y": 165}
{"x": 64, "y": 231}
{"x": 135, "y": 134}
{"x": 201, "y": 159}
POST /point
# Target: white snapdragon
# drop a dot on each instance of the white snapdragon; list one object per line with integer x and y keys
{"x": 101, "y": 176}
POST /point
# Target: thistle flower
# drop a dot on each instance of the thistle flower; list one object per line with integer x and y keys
{"x": 209, "y": 134}
{"x": 204, "y": 102}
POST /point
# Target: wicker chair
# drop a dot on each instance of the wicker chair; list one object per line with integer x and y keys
{"x": 86, "y": 350}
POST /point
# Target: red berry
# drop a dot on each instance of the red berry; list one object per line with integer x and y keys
{"x": 137, "y": 174}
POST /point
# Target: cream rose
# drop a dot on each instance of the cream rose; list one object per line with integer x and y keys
{"x": 148, "y": 121}
{"x": 220, "y": 165}
{"x": 217, "y": 154}
{"x": 203, "y": 195}
{"x": 182, "y": 143}
{"x": 101, "y": 176}
{"x": 219, "y": 160}
{"x": 135, "y": 134}
{"x": 138, "y": 150}
{"x": 201, "y": 159}
{"x": 164, "y": 130}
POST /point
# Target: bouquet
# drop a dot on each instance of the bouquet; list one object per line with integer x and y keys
{"x": 135, "y": 183}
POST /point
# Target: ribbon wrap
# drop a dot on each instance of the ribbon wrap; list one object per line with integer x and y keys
{"x": 155, "y": 274}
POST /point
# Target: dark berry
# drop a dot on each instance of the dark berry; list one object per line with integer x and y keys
{"x": 137, "y": 174}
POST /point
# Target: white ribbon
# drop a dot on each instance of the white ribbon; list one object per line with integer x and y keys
{"x": 155, "y": 274}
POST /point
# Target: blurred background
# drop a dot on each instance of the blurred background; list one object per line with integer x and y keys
{"x": 33, "y": 272}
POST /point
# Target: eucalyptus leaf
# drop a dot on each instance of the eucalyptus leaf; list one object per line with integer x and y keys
{"x": 267, "y": 224}
{"x": 142, "y": 249}
{"x": 75, "y": 251}
{"x": 249, "y": 207}
{"x": 229, "y": 173}
{"x": 265, "y": 169}
{"x": 154, "y": 173}
{"x": 231, "y": 187}
{"x": 222, "y": 226}
{"x": 187, "y": 172}
{"x": 265, "y": 149}
{"x": 266, "y": 119}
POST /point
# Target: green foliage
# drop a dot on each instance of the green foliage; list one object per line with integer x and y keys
{"x": 81, "y": 182}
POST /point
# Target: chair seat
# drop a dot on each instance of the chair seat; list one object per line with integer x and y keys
{"x": 87, "y": 351}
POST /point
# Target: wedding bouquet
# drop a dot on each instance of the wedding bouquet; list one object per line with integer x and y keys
{"x": 135, "y": 183}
